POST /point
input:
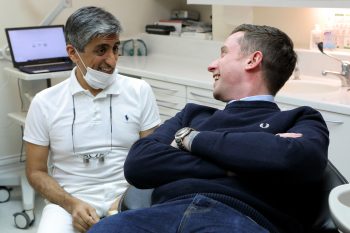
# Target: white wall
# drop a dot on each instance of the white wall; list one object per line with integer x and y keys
{"x": 133, "y": 14}
{"x": 296, "y": 22}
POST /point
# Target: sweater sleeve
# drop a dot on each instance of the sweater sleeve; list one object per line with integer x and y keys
{"x": 262, "y": 154}
{"x": 152, "y": 162}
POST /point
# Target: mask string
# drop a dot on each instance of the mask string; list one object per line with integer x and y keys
{"x": 81, "y": 62}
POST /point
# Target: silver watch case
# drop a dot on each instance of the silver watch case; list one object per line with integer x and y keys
{"x": 180, "y": 135}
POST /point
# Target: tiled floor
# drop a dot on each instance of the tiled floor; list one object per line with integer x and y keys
{"x": 14, "y": 205}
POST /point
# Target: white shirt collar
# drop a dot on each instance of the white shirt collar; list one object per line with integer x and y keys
{"x": 269, "y": 98}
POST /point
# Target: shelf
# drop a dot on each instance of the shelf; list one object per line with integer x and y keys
{"x": 13, "y": 72}
{"x": 277, "y": 3}
{"x": 18, "y": 117}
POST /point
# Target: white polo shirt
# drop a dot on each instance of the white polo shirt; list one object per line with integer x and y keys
{"x": 131, "y": 106}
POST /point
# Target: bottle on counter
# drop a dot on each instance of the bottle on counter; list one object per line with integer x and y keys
{"x": 329, "y": 37}
{"x": 346, "y": 41}
{"x": 316, "y": 35}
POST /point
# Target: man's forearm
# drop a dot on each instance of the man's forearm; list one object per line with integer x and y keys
{"x": 47, "y": 187}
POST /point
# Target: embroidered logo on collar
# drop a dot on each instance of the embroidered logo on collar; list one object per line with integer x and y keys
{"x": 264, "y": 125}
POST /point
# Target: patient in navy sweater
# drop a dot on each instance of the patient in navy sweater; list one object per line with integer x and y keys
{"x": 239, "y": 169}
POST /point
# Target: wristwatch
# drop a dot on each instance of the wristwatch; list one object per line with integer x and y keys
{"x": 180, "y": 135}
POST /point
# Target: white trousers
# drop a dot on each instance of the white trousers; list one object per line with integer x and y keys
{"x": 55, "y": 219}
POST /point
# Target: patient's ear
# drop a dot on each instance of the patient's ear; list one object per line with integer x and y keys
{"x": 254, "y": 60}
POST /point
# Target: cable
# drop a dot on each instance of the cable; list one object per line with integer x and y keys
{"x": 20, "y": 95}
{"x": 21, "y": 160}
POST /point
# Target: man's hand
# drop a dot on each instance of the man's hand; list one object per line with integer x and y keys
{"x": 174, "y": 144}
{"x": 84, "y": 216}
{"x": 289, "y": 135}
{"x": 114, "y": 207}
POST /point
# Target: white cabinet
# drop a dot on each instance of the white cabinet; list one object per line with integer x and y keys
{"x": 277, "y": 3}
{"x": 203, "y": 96}
{"x": 170, "y": 97}
{"x": 339, "y": 127}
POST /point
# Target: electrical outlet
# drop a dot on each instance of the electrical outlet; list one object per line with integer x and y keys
{"x": 68, "y": 3}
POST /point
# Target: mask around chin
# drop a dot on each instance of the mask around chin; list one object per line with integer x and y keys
{"x": 99, "y": 80}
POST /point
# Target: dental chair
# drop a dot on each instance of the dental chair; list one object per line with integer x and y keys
{"x": 319, "y": 222}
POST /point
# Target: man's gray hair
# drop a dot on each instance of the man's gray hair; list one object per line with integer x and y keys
{"x": 88, "y": 23}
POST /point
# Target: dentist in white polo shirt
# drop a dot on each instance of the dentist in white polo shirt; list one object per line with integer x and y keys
{"x": 85, "y": 126}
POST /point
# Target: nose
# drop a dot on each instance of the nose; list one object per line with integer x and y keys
{"x": 111, "y": 58}
{"x": 213, "y": 66}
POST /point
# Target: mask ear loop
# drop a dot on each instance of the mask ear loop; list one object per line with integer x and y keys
{"x": 81, "y": 62}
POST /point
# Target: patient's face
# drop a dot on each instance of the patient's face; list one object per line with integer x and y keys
{"x": 101, "y": 54}
{"x": 228, "y": 70}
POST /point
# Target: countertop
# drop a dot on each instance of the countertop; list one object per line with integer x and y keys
{"x": 181, "y": 70}
{"x": 193, "y": 72}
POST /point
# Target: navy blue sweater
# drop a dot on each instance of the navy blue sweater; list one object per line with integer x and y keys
{"x": 271, "y": 173}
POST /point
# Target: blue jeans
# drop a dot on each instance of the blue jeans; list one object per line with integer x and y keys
{"x": 199, "y": 214}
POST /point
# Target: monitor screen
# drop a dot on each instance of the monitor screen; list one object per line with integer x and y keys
{"x": 35, "y": 43}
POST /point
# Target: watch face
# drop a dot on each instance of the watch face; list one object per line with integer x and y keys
{"x": 181, "y": 131}
{"x": 180, "y": 135}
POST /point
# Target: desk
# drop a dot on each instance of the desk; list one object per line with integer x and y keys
{"x": 13, "y": 72}
{"x": 18, "y": 117}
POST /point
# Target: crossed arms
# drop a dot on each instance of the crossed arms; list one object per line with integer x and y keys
{"x": 299, "y": 154}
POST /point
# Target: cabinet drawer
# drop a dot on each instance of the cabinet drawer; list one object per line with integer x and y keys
{"x": 166, "y": 88}
{"x": 166, "y": 113}
{"x": 168, "y": 101}
{"x": 285, "y": 107}
{"x": 204, "y": 97}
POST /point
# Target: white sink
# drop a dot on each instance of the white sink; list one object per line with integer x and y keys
{"x": 339, "y": 205}
{"x": 307, "y": 86}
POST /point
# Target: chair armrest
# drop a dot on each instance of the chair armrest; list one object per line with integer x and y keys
{"x": 339, "y": 204}
{"x": 134, "y": 198}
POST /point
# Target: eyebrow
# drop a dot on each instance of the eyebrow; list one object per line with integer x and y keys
{"x": 224, "y": 49}
{"x": 107, "y": 45}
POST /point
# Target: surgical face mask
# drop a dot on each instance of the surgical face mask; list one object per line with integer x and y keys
{"x": 97, "y": 79}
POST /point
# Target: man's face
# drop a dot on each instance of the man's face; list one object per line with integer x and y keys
{"x": 228, "y": 70}
{"x": 100, "y": 54}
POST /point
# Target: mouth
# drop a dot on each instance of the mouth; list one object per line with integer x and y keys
{"x": 216, "y": 77}
{"x": 107, "y": 70}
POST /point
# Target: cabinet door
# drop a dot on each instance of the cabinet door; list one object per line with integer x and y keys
{"x": 338, "y": 126}
{"x": 204, "y": 97}
{"x": 170, "y": 97}
{"x": 166, "y": 113}
{"x": 166, "y": 88}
